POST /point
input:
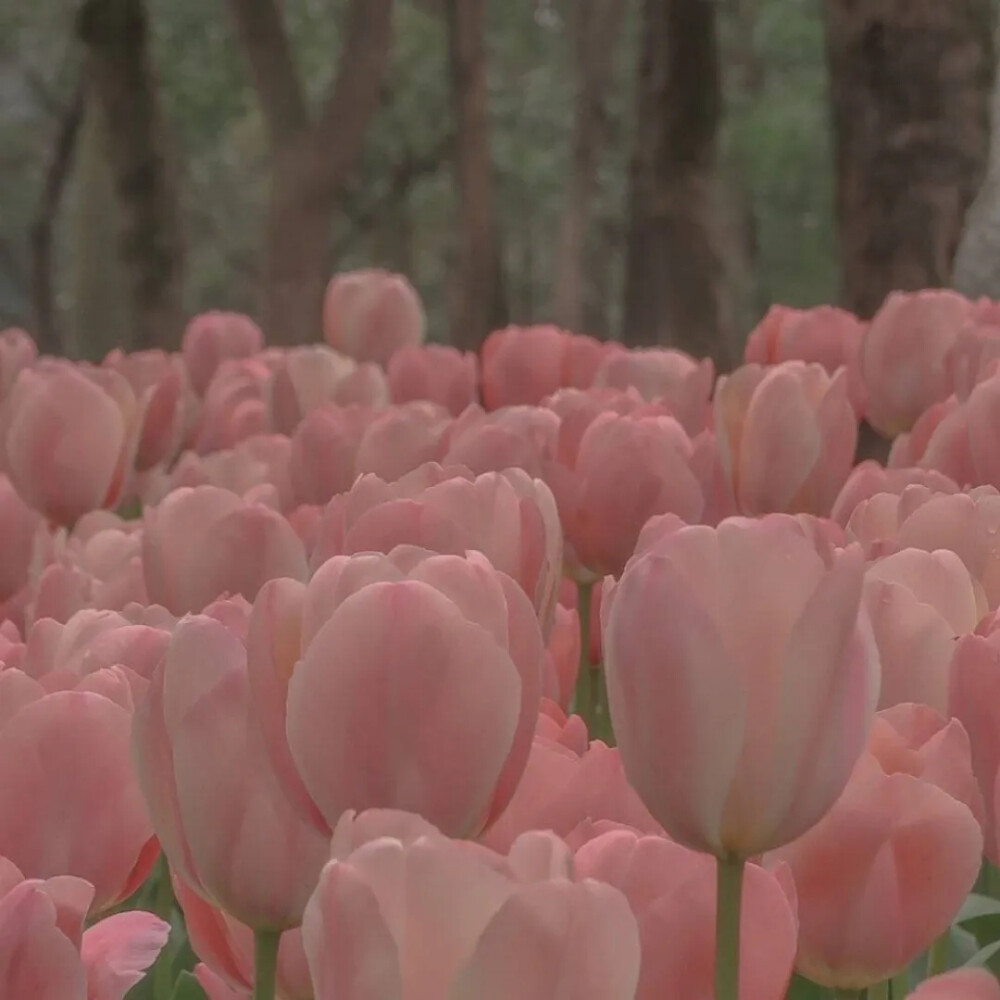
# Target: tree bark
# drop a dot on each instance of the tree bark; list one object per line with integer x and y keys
{"x": 44, "y": 323}
{"x": 977, "y": 261}
{"x": 909, "y": 92}
{"x": 596, "y": 27}
{"x": 481, "y": 305}
{"x": 311, "y": 158}
{"x": 674, "y": 286}
{"x": 120, "y": 76}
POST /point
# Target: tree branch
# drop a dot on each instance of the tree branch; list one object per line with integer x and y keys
{"x": 354, "y": 92}
{"x": 265, "y": 41}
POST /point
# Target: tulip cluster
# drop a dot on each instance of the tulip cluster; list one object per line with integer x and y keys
{"x": 373, "y": 670}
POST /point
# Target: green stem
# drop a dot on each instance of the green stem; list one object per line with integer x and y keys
{"x": 163, "y": 907}
{"x": 879, "y": 991}
{"x": 585, "y": 693}
{"x": 900, "y": 985}
{"x": 265, "y": 964}
{"x": 937, "y": 957}
{"x": 729, "y": 896}
{"x": 848, "y": 994}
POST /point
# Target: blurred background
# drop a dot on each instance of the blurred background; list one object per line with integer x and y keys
{"x": 657, "y": 171}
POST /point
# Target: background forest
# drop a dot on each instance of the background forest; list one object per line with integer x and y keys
{"x": 564, "y": 85}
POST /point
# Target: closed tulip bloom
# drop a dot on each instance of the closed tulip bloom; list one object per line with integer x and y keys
{"x": 401, "y": 439}
{"x": 524, "y": 364}
{"x": 434, "y": 919}
{"x": 787, "y": 436}
{"x": 826, "y": 335}
{"x": 201, "y": 543}
{"x": 370, "y": 314}
{"x": 235, "y": 405}
{"x": 919, "y": 603}
{"x": 368, "y": 678}
{"x": 869, "y": 478}
{"x": 523, "y": 437}
{"x": 19, "y": 527}
{"x": 881, "y": 876}
{"x": 46, "y": 954}
{"x": 70, "y": 803}
{"x": 324, "y": 449}
{"x": 974, "y": 699}
{"x": 903, "y": 355}
{"x": 69, "y": 438}
{"x": 308, "y": 378}
{"x": 217, "y": 805}
{"x": 508, "y": 516}
{"x": 742, "y": 680}
{"x": 672, "y": 894}
{"x": 435, "y": 372}
{"x": 213, "y": 337}
{"x": 681, "y": 382}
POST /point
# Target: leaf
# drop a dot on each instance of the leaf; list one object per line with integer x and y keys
{"x": 976, "y": 906}
{"x": 188, "y": 988}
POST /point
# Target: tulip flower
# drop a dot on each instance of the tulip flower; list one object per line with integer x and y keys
{"x": 213, "y": 337}
{"x": 437, "y": 373}
{"x": 370, "y": 314}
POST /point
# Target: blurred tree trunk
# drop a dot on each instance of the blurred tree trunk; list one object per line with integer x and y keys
{"x": 120, "y": 78}
{"x": 595, "y": 28}
{"x": 311, "y": 158}
{"x": 977, "y": 262}
{"x": 45, "y": 326}
{"x": 481, "y": 305}
{"x": 674, "y": 286}
{"x": 99, "y": 317}
{"x": 909, "y": 90}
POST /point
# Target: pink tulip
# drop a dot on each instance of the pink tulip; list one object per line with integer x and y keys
{"x": 921, "y": 518}
{"x": 524, "y": 364}
{"x": 69, "y": 800}
{"x": 562, "y": 787}
{"x": 919, "y": 603}
{"x": 523, "y": 437}
{"x": 562, "y": 656}
{"x": 46, "y": 954}
{"x": 161, "y": 385}
{"x": 235, "y": 405}
{"x": 787, "y": 436}
{"x": 17, "y": 352}
{"x": 434, "y": 919}
{"x": 509, "y": 517}
{"x": 826, "y": 335}
{"x": 19, "y": 531}
{"x": 601, "y": 519}
{"x": 370, "y": 314}
{"x": 881, "y": 876}
{"x": 742, "y": 651}
{"x": 324, "y": 450}
{"x": 667, "y": 376}
{"x": 204, "y": 542}
{"x": 437, "y": 373}
{"x": 672, "y": 893}
{"x": 216, "y": 804}
{"x": 362, "y": 680}
{"x": 400, "y": 439}
{"x": 69, "y": 437}
{"x": 974, "y": 699}
{"x": 308, "y": 379}
{"x": 213, "y": 337}
{"x": 869, "y": 478}
{"x": 950, "y": 443}
{"x": 903, "y": 354}
{"x": 962, "y": 984}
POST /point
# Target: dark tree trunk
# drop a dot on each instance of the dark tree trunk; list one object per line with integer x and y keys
{"x": 596, "y": 27}
{"x": 311, "y": 159}
{"x": 674, "y": 286}
{"x": 909, "y": 91}
{"x": 120, "y": 76}
{"x": 481, "y": 305}
{"x": 57, "y": 174}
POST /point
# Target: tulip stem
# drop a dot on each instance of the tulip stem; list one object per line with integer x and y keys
{"x": 937, "y": 957}
{"x": 585, "y": 694}
{"x": 879, "y": 991}
{"x": 265, "y": 968}
{"x": 900, "y": 985}
{"x": 729, "y": 897}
